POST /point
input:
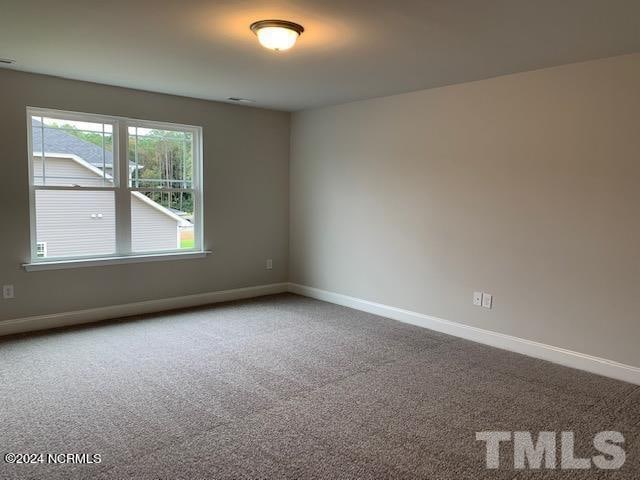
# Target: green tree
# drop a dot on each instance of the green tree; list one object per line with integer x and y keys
{"x": 160, "y": 158}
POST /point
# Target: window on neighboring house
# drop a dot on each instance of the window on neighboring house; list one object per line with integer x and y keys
{"x": 110, "y": 186}
{"x": 41, "y": 249}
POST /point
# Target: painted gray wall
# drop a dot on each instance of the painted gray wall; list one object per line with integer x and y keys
{"x": 246, "y": 154}
{"x": 525, "y": 186}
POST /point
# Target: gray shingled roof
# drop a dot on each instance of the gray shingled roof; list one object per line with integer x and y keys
{"x": 59, "y": 141}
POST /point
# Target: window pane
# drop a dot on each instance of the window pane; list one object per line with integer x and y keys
{"x": 160, "y": 158}
{"x": 75, "y": 153}
{"x": 161, "y": 221}
{"x": 75, "y": 223}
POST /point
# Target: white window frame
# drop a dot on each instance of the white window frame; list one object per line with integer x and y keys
{"x": 122, "y": 192}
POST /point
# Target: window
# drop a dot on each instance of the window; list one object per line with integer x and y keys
{"x": 112, "y": 187}
{"x": 161, "y": 174}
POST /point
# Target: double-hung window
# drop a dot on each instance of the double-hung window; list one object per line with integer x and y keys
{"x": 107, "y": 187}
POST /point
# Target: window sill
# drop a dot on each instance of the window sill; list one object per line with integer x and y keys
{"x": 94, "y": 262}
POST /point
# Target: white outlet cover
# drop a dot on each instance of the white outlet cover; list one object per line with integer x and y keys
{"x": 269, "y": 265}
{"x": 477, "y": 299}
{"x": 487, "y": 300}
{"x": 7, "y": 292}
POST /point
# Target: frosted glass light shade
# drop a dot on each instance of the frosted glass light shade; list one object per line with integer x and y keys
{"x": 277, "y": 38}
{"x": 277, "y": 34}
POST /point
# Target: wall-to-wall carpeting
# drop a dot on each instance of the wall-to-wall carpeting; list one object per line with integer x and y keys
{"x": 288, "y": 387}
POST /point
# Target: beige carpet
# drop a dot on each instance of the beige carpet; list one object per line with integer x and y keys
{"x": 288, "y": 387}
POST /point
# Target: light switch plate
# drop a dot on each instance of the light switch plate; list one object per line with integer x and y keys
{"x": 487, "y": 300}
{"x": 269, "y": 264}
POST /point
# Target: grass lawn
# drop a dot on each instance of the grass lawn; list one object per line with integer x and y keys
{"x": 186, "y": 238}
{"x": 187, "y": 243}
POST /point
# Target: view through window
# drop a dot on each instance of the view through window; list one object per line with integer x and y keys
{"x": 91, "y": 198}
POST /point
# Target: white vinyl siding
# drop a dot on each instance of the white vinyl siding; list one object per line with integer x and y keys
{"x": 151, "y": 229}
{"x": 65, "y": 170}
{"x": 69, "y": 222}
{"x": 83, "y": 222}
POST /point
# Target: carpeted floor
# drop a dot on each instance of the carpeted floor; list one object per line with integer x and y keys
{"x": 288, "y": 387}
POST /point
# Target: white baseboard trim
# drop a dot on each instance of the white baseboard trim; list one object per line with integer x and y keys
{"x": 63, "y": 319}
{"x": 562, "y": 356}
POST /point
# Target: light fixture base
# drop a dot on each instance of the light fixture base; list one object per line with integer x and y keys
{"x": 255, "y": 26}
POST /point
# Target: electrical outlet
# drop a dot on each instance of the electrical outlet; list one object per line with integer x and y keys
{"x": 269, "y": 265}
{"x": 487, "y": 300}
{"x": 477, "y": 299}
{"x": 7, "y": 292}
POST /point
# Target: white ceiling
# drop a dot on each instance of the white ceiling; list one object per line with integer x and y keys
{"x": 351, "y": 49}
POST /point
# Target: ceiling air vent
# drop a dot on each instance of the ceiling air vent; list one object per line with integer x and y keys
{"x": 241, "y": 100}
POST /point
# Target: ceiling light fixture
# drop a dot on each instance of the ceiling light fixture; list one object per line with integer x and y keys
{"x": 277, "y": 34}
{"x": 7, "y": 61}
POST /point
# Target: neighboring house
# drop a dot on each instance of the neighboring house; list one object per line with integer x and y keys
{"x": 90, "y": 215}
